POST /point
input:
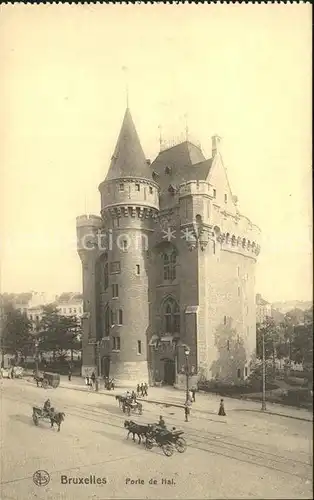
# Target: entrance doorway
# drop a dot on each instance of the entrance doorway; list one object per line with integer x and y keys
{"x": 169, "y": 372}
{"x": 105, "y": 366}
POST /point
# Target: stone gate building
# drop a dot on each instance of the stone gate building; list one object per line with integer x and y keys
{"x": 169, "y": 263}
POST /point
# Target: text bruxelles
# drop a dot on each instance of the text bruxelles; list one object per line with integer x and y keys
{"x": 83, "y": 480}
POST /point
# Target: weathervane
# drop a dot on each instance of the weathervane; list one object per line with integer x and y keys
{"x": 186, "y": 127}
{"x": 160, "y": 136}
{"x": 125, "y": 70}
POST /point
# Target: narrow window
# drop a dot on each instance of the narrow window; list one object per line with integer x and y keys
{"x": 120, "y": 317}
{"x": 228, "y": 345}
{"x": 137, "y": 187}
{"x": 150, "y": 190}
{"x": 214, "y": 247}
{"x": 239, "y": 373}
{"x": 121, "y": 187}
{"x": 238, "y": 291}
{"x": 245, "y": 371}
{"x": 226, "y": 198}
{"x": 115, "y": 291}
{"x": 124, "y": 245}
{"x": 214, "y": 193}
{"x": 114, "y": 343}
{"x": 118, "y": 344}
{"x": 74, "y": 310}
{"x": 225, "y": 320}
{"x": 238, "y": 270}
{"x": 70, "y": 310}
{"x": 138, "y": 269}
{"x": 139, "y": 347}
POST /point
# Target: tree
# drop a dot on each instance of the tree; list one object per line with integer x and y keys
{"x": 17, "y": 337}
{"x": 270, "y": 331}
{"x": 58, "y": 333}
{"x": 255, "y": 378}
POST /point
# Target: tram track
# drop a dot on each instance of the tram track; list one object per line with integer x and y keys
{"x": 210, "y": 442}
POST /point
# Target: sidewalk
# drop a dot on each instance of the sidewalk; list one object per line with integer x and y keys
{"x": 205, "y": 402}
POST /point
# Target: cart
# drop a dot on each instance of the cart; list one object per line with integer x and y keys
{"x": 46, "y": 380}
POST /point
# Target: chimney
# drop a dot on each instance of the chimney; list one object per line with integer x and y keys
{"x": 215, "y": 145}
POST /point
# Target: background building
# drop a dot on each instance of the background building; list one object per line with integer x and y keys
{"x": 70, "y": 304}
{"x": 263, "y": 309}
{"x": 170, "y": 263}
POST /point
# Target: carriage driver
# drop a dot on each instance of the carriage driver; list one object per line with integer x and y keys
{"x": 47, "y": 406}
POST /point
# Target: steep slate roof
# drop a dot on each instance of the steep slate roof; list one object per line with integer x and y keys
{"x": 186, "y": 162}
{"x": 128, "y": 159}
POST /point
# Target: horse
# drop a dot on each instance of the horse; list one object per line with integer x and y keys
{"x": 57, "y": 418}
{"x": 136, "y": 429}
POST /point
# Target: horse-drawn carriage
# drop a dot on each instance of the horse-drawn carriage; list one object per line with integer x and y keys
{"x": 155, "y": 435}
{"x": 129, "y": 404}
{"x": 46, "y": 380}
{"x": 47, "y": 414}
{"x": 165, "y": 439}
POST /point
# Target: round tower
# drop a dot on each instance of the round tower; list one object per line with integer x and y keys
{"x": 88, "y": 228}
{"x": 129, "y": 207}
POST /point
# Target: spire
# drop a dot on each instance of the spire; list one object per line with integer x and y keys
{"x": 128, "y": 158}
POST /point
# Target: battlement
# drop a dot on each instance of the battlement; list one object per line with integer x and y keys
{"x": 196, "y": 187}
{"x": 89, "y": 221}
{"x": 130, "y": 191}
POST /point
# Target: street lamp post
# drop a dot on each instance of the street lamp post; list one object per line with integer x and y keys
{"x": 187, "y": 353}
{"x": 264, "y": 374}
{"x": 98, "y": 364}
{"x": 36, "y": 356}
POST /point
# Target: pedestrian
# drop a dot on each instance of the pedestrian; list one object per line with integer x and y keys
{"x": 12, "y": 372}
{"x": 221, "y": 411}
{"x": 133, "y": 396}
{"x": 193, "y": 391}
{"x": 138, "y": 389}
{"x": 145, "y": 389}
{"x": 70, "y": 374}
{"x": 142, "y": 389}
{"x": 187, "y": 405}
{"x": 87, "y": 380}
{"x": 93, "y": 379}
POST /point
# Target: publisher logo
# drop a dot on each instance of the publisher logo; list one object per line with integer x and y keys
{"x": 41, "y": 478}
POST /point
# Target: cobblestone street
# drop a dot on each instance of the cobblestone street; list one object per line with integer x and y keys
{"x": 271, "y": 453}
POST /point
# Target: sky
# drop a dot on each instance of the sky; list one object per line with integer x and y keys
{"x": 240, "y": 71}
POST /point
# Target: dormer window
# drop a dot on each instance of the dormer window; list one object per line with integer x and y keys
{"x": 121, "y": 187}
{"x": 168, "y": 170}
{"x": 150, "y": 190}
{"x": 154, "y": 175}
{"x": 171, "y": 189}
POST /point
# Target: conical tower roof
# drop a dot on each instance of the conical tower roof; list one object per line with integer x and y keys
{"x": 128, "y": 159}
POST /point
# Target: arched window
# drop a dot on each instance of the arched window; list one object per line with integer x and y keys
{"x": 171, "y": 316}
{"x": 170, "y": 261}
